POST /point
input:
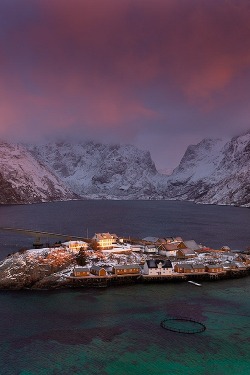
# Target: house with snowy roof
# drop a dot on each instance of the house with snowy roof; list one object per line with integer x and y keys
{"x": 150, "y": 249}
{"x": 98, "y": 271}
{"x": 190, "y": 244}
{"x": 185, "y": 253}
{"x": 228, "y": 256}
{"x": 151, "y": 239}
{"x": 157, "y": 267}
{"x": 173, "y": 239}
{"x": 104, "y": 240}
{"x": 240, "y": 266}
{"x": 75, "y": 246}
{"x": 80, "y": 271}
{"x": 168, "y": 249}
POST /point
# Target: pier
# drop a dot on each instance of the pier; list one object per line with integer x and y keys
{"x": 113, "y": 280}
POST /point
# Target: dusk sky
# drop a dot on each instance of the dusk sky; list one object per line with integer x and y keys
{"x": 159, "y": 74}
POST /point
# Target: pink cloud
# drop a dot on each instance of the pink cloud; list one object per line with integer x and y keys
{"x": 106, "y": 65}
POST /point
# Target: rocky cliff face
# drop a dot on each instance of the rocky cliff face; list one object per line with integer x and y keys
{"x": 214, "y": 171}
{"x": 96, "y": 170}
{"x": 24, "y": 179}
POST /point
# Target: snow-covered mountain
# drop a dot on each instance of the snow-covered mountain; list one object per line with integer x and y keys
{"x": 24, "y": 179}
{"x": 96, "y": 170}
{"x": 214, "y": 171}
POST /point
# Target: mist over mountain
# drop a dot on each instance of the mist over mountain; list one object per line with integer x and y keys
{"x": 96, "y": 170}
{"x": 215, "y": 171}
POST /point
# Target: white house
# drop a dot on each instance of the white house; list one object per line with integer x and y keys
{"x": 150, "y": 249}
{"x": 156, "y": 267}
{"x": 168, "y": 249}
{"x": 228, "y": 256}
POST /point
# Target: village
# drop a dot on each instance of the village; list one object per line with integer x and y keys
{"x": 109, "y": 258}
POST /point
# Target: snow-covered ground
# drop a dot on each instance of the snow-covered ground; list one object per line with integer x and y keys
{"x": 26, "y": 179}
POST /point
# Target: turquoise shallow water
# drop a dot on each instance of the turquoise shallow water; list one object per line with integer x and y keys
{"x": 117, "y": 330}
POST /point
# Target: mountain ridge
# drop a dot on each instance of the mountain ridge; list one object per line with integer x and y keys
{"x": 24, "y": 179}
{"x": 214, "y": 171}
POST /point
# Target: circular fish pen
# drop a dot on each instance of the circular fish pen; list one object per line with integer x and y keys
{"x": 183, "y": 325}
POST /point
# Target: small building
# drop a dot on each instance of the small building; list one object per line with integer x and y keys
{"x": 240, "y": 266}
{"x": 80, "y": 271}
{"x": 98, "y": 271}
{"x": 190, "y": 244}
{"x": 226, "y": 266}
{"x": 228, "y": 256}
{"x": 214, "y": 268}
{"x": 168, "y": 249}
{"x": 199, "y": 268}
{"x": 150, "y": 249}
{"x": 225, "y": 248}
{"x": 76, "y": 246}
{"x": 150, "y": 239}
{"x": 157, "y": 267}
{"x": 229, "y": 266}
{"x": 185, "y": 253}
{"x": 169, "y": 239}
{"x": 104, "y": 240}
{"x": 126, "y": 269}
{"x": 183, "y": 268}
{"x": 135, "y": 247}
{"x": 247, "y": 260}
{"x": 240, "y": 258}
{"x": 233, "y": 265}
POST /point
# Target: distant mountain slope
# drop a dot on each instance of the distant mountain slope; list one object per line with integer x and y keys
{"x": 214, "y": 171}
{"x": 23, "y": 179}
{"x": 96, "y": 170}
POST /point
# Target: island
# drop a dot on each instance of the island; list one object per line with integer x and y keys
{"x": 108, "y": 260}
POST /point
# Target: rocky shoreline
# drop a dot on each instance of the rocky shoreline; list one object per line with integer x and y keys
{"x": 65, "y": 266}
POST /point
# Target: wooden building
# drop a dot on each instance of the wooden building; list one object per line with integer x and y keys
{"x": 168, "y": 249}
{"x": 190, "y": 244}
{"x": 126, "y": 269}
{"x": 80, "y": 271}
{"x": 98, "y": 271}
{"x": 199, "y": 268}
{"x": 214, "y": 268}
{"x": 185, "y": 253}
{"x": 183, "y": 268}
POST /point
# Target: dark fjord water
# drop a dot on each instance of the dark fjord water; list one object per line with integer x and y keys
{"x": 116, "y": 331}
{"x": 207, "y": 224}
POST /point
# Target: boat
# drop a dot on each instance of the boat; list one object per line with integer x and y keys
{"x": 192, "y": 282}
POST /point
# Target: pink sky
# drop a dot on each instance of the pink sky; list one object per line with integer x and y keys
{"x": 159, "y": 74}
